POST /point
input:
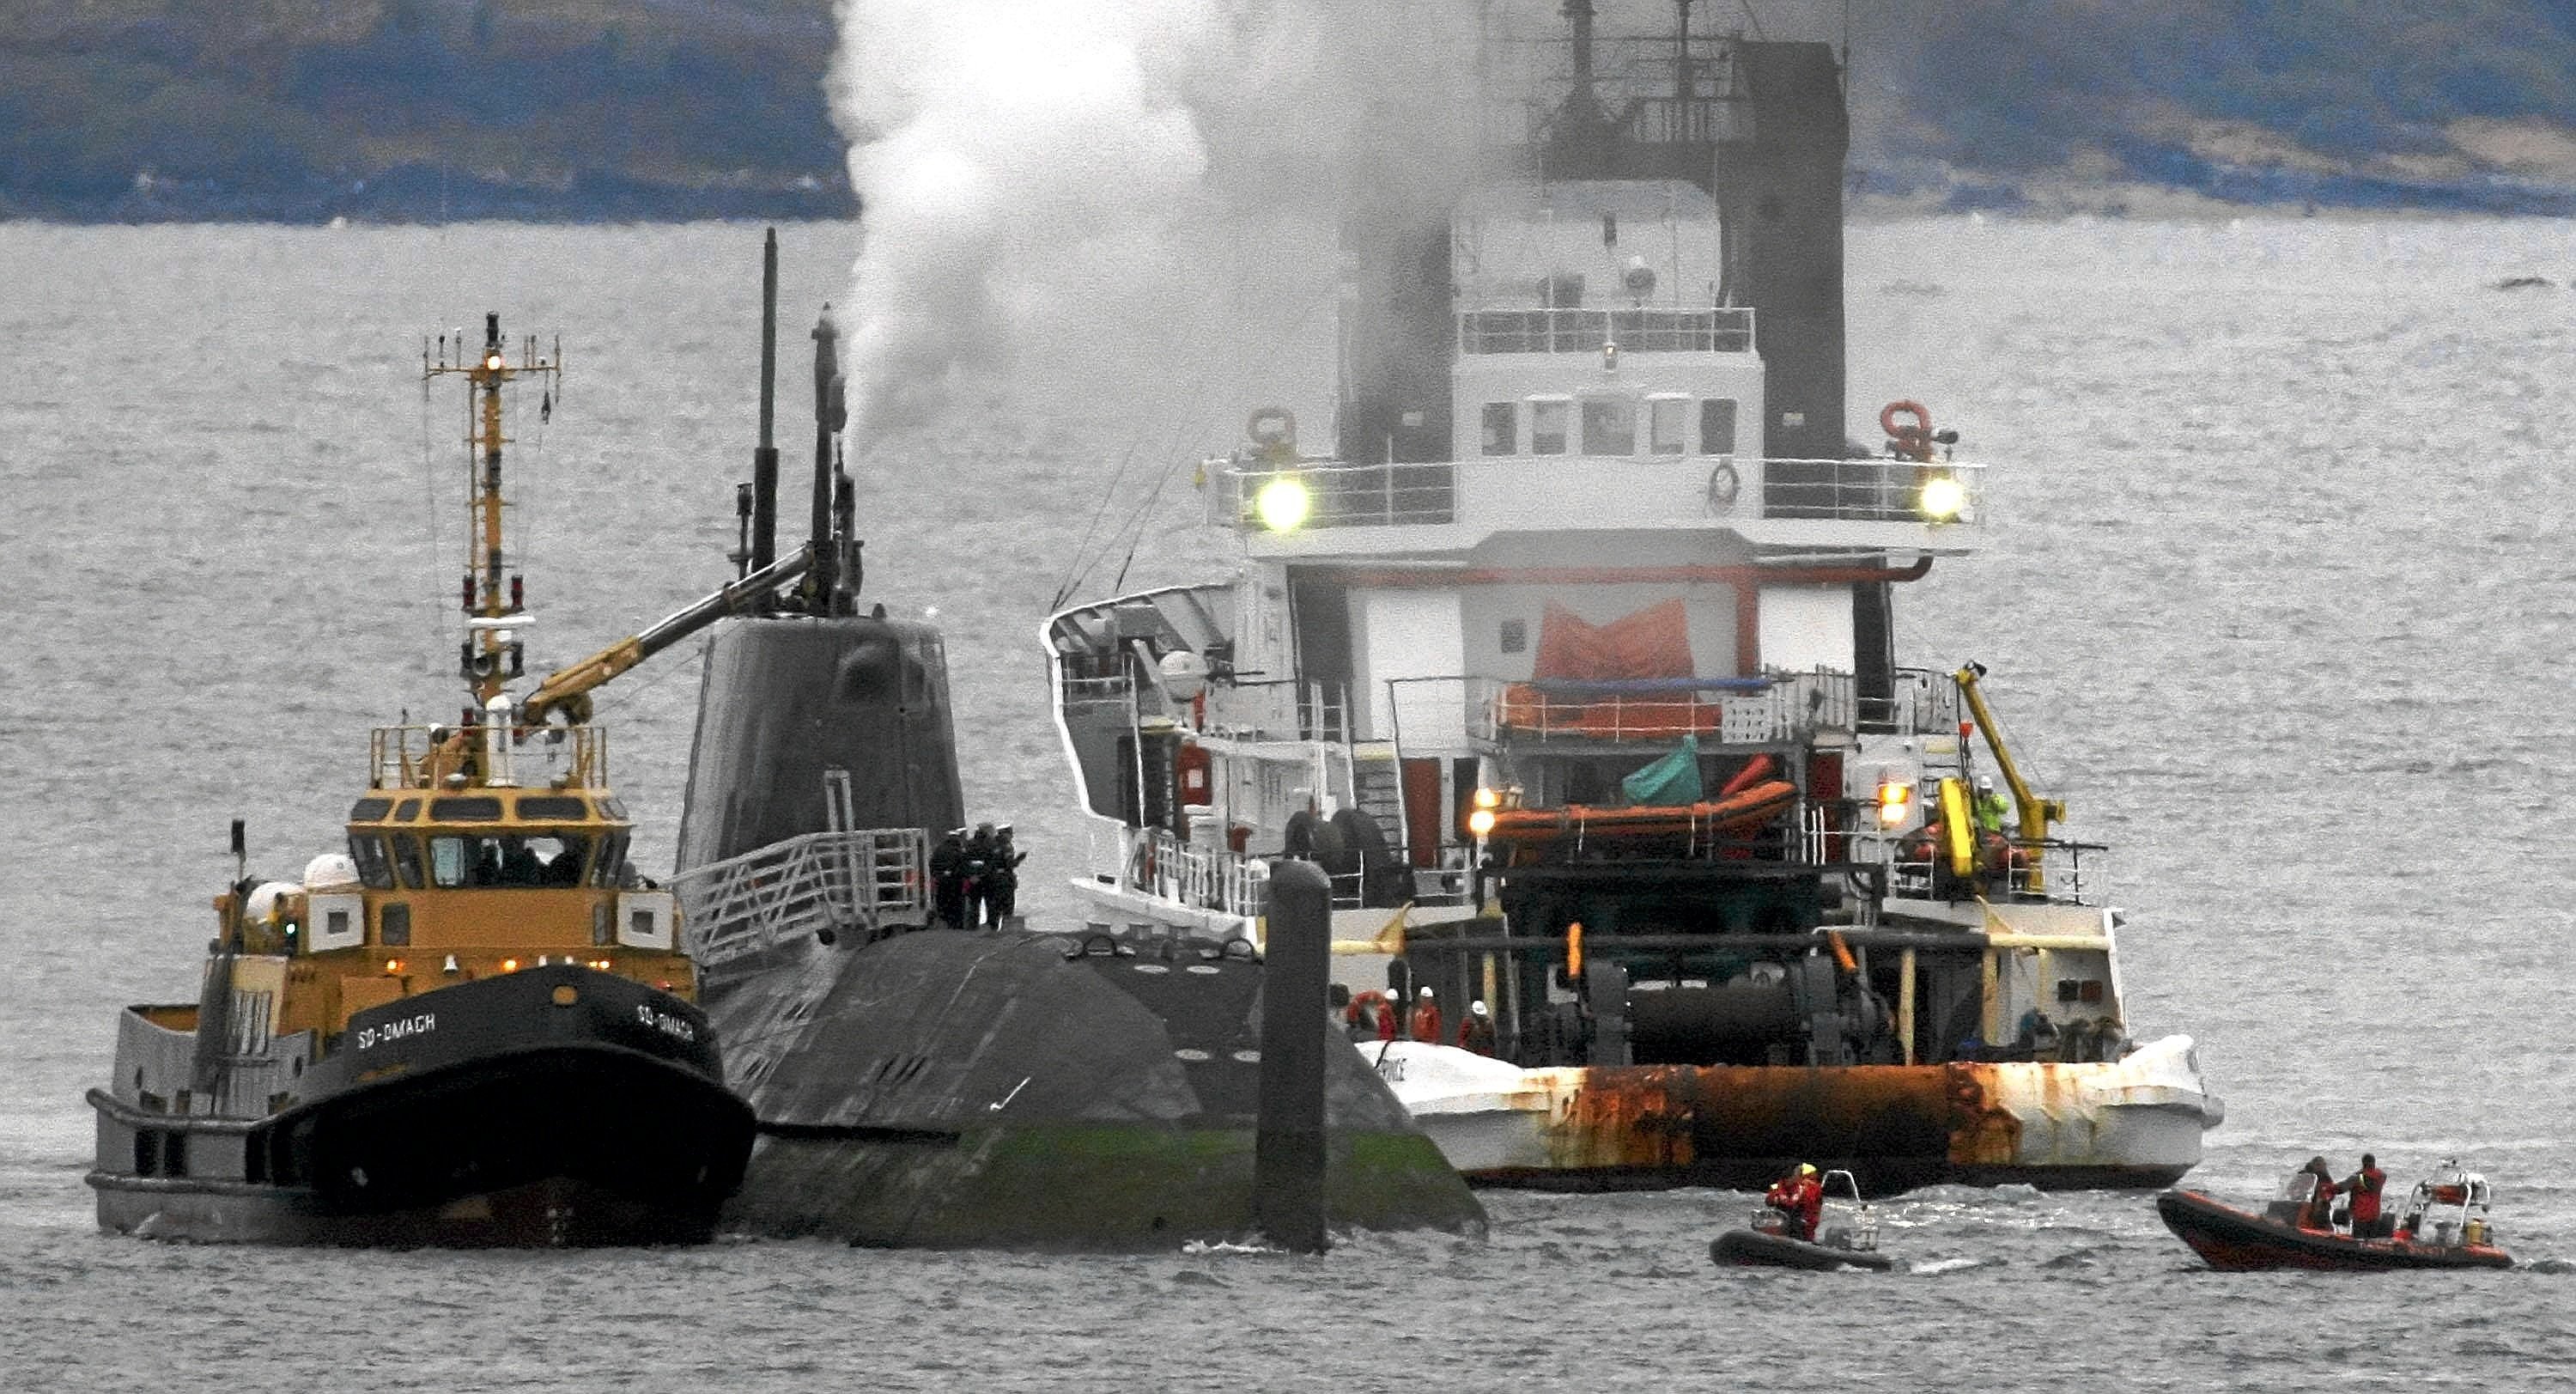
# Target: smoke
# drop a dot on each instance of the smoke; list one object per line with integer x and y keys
{"x": 1091, "y": 174}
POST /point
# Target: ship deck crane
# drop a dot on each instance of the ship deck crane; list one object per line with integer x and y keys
{"x": 2034, "y": 812}
{"x": 566, "y": 693}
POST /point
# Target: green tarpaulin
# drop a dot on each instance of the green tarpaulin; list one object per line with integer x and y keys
{"x": 1671, "y": 780}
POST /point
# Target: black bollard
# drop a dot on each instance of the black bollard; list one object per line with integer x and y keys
{"x": 1288, "y": 1150}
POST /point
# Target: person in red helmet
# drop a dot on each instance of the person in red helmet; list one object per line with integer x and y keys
{"x": 1800, "y": 1199}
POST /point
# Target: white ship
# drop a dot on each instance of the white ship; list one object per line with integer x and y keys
{"x": 1573, "y": 663}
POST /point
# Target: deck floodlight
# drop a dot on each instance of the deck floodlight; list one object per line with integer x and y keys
{"x": 1942, "y": 498}
{"x": 1282, "y": 503}
{"x": 1481, "y": 822}
{"x": 1895, "y": 801}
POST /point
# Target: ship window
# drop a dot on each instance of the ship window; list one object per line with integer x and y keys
{"x": 536, "y": 806}
{"x": 1717, "y": 426}
{"x": 610, "y": 870}
{"x": 552, "y": 858}
{"x": 1609, "y": 426}
{"x": 1665, "y": 418}
{"x": 370, "y": 810}
{"x": 1547, "y": 427}
{"x": 612, "y": 806}
{"x": 474, "y": 810}
{"x": 1515, "y": 635}
{"x": 375, "y": 870}
{"x": 448, "y": 860}
{"x": 407, "y": 810}
{"x": 1502, "y": 427}
{"x": 393, "y": 924}
{"x": 407, "y": 861}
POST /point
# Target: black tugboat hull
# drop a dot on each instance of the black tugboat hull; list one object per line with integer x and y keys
{"x": 2239, "y": 1241}
{"x": 488, "y": 1113}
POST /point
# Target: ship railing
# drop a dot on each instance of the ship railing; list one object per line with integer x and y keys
{"x": 542, "y": 756}
{"x": 1776, "y": 708}
{"x": 1919, "y": 702}
{"x": 1279, "y": 709}
{"x": 2050, "y": 869}
{"x": 1079, "y": 692}
{"x": 1338, "y": 495}
{"x": 1155, "y": 863}
{"x": 1873, "y": 490}
{"x": 862, "y": 882}
{"x": 1562, "y": 329}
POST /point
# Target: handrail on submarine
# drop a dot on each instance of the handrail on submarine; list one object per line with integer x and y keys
{"x": 568, "y": 690}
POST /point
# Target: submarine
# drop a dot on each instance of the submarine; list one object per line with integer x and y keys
{"x": 920, "y": 1084}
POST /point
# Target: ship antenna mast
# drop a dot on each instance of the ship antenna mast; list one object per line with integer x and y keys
{"x": 493, "y": 597}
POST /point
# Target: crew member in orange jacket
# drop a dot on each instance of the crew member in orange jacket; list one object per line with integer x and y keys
{"x": 1424, "y": 1024}
{"x": 1389, "y": 1022}
{"x": 2365, "y": 1186}
{"x": 1800, "y": 1198}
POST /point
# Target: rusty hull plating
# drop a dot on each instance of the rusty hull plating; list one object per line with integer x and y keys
{"x": 1894, "y": 1126}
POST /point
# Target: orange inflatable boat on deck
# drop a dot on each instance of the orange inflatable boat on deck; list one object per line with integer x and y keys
{"x": 1742, "y": 812}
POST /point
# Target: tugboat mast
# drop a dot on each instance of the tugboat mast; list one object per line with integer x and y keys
{"x": 491, "y": 654}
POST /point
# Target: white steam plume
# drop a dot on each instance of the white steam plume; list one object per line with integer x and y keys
{"x": 1025, "y": 164}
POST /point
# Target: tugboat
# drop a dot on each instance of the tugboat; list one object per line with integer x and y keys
{"x": 922, "y": 1080}
{"x": 1765, "y": 1241}
{"x": 474, "y": 1026}
{"x": 1574, "y": 665}
{"x": 2445, "y": 1223}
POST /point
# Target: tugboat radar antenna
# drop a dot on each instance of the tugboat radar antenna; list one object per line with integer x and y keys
{"x": 493, "y": 597}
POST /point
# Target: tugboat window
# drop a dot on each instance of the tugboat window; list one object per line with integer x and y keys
{"x": 609, "y": 870}
{"x": 1717, "y": 426}
{"x": 514, "y": 860}
{"x": 407, "y": 861}
{"x": 1502, "y": 427}
{"x": 375, "y": 870}
{"x": 1609, "y": 426}
{"x": 1547, "y": 428}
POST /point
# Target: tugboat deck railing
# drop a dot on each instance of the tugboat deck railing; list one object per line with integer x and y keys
{"x": 546, "y": 755}
{"x": 860, "y": 882}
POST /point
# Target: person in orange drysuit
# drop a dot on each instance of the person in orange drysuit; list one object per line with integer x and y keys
{"x": 1424, "y": 1024}
{"x": 2365, "y": 1186}
{"x": 1389, "y": 1022}
{"x": 1800, "y": 1199}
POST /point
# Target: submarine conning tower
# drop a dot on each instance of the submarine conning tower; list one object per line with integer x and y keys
{"x": 788, "y": 699}
{"x": 812, "y": 716}
{"x": 1757, "y": 124}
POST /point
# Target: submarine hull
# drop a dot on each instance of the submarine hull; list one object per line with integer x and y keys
{"x": 947, "y": 1088}
{"x": 935, "y": 1087}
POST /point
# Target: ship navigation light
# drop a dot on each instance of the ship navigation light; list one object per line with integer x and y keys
{"x": 1282, "y": 503}
{"x": 1942, "y": 498}
{"x": 1895, "y": 802}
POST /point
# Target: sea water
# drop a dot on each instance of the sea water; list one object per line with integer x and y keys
{"x": 2278, "y": 594}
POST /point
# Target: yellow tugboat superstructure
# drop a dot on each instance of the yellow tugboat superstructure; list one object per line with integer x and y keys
{"x": 476, "y": 1024}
